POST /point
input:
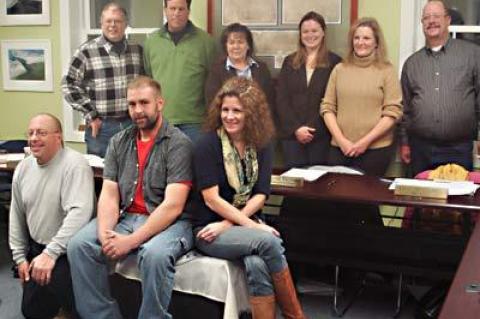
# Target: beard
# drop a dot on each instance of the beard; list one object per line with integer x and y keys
{"x": 149, "y": 123}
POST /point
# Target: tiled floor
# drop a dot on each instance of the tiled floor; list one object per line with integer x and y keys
{"x": 377, "y": 301}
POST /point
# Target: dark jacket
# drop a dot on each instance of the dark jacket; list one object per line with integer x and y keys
{"x": 298, "y": 104}
{"x": 218, "y": 74}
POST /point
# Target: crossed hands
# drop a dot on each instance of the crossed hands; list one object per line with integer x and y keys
{"x": 39, "y": 269}
{"x": 115, "y": 245}
{"x": 350, "y": 149}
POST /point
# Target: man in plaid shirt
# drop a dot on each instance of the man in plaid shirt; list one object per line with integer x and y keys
{"x": 97, "y": 79}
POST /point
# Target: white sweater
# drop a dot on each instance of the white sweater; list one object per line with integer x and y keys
{"x": 50, "y": 202}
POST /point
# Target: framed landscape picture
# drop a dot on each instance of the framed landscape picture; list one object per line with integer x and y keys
{"x": 27, "y": 65}
{"x": 24, "y": 12}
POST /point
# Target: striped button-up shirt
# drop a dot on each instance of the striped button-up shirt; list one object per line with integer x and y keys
{"x": 441, "y": 93}
{"x": 96, "y": 81}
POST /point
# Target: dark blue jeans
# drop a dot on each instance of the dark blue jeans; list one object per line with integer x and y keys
{"x": 110, "y": 126}
{"x": 427, "y": 154}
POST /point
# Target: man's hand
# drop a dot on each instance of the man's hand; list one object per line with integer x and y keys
{"x": 95, "y": 124}
{"x": 24, "y": 271}
{"x": 210, "y": 232}
{"x": 268, "y": 229}
{"x": 41, "y": 269}
{"x": 405, "y": 154}
{"x": 117, "y": 246}
{"x": 304, "y": 134}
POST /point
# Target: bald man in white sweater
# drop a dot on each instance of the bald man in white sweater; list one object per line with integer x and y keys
{"x": 52, "y": 198}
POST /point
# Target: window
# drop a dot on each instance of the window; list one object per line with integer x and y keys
{"x": 465, "y": 19}
{"x": 79, "y": 22}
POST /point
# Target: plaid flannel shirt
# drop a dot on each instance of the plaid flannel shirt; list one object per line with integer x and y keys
{"x": 96, "y": 81}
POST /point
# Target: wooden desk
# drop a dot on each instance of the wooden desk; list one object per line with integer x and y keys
{"x": 459, "y": 303}
{"x": 370, "y": 190}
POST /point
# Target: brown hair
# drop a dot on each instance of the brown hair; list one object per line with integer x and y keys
{"x": 145, "y": 81}
{"x": 445, "y": 6}
{"x": 259, "y": 128}
{"x": 381, "y": 58}
{"x": 237, "y": 28}
{"x": 300, "y": 56}
{"x": 189, "y": 2}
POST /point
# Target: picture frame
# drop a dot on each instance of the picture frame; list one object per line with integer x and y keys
{"x": 24, "y": 12}
{"x": 27, "y": 65}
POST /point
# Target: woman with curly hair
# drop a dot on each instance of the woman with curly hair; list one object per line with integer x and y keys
{"x": 233, "y": 166}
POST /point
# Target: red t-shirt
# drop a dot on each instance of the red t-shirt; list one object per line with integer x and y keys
{"x": 138, "y": 204}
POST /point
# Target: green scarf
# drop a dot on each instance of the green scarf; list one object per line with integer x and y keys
{"x": 234, "y": 171}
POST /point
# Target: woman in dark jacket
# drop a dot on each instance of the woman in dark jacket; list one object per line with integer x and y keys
{"x": 238, "y": 60}
{"x": 301, "y": 85}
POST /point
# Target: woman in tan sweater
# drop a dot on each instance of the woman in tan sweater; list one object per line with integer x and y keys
{"x": 362, "y": 102}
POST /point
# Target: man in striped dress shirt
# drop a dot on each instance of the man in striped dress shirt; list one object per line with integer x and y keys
{"x": 441, "y": 84}
{"x": 96, "y": 82}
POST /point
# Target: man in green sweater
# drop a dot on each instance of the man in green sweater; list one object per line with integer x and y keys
{"x": 179, "y": 56}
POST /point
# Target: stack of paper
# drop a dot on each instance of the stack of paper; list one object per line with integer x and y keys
{"x": 306, "y": 174}
{"x": 94, "y": 160}
{"x": 336, "y": 169}
{"x": 454, "y": 188}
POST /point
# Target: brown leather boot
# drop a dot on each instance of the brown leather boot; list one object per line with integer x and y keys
{"x": 286, "y": 295}
{"x": 263, "y": 307}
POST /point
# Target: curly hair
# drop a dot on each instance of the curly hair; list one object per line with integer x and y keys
{"x": 259, "y": 128}
{"x": 381, "y": 56}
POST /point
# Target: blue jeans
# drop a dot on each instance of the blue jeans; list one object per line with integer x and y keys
{"x": 110, "y": 126}
{"x": 156, "y": 261}
{"x": 193, "y": 131}
{"x": 261, "y": 252}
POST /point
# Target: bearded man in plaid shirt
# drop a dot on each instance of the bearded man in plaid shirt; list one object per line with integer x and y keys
{"x": 96, "y": 81}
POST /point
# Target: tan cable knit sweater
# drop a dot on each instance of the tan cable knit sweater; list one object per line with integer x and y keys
{"x": 359, "y": 94}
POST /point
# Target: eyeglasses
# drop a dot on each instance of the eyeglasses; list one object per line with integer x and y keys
{"x": 434, "y": 17}
{"x": 39, "y": 133}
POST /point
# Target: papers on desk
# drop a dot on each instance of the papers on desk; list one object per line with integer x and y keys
{"x": 314, "y": 172}
{"x": 306, "y": 174}
{"x": 11, "y": 157}
{"x": 453, "y": 188}
{"x": 336, "y": 169}
{"x": 94, "y": 160}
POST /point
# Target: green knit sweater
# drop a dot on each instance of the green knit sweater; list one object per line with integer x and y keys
{"x": 181, "y": 70}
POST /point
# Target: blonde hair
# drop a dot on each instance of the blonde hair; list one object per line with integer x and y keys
{"x": 381, "y": 56}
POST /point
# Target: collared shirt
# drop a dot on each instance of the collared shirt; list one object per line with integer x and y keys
{"x": 441, "y": 93}
{"x": 177, "y": 36}
{"x": 169, "y": 161}
{"x": 246, "y": 72}
{"x": 96, "y": 81}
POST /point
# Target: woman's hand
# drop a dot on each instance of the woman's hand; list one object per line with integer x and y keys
{"x": 345, "y": 145}
{"x": 304, "y": 134}
{"x": 210, "y": 232}
{"x": 358, "y": 148}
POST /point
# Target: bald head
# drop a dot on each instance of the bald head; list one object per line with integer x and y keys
{"x": 44, "y": 137}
